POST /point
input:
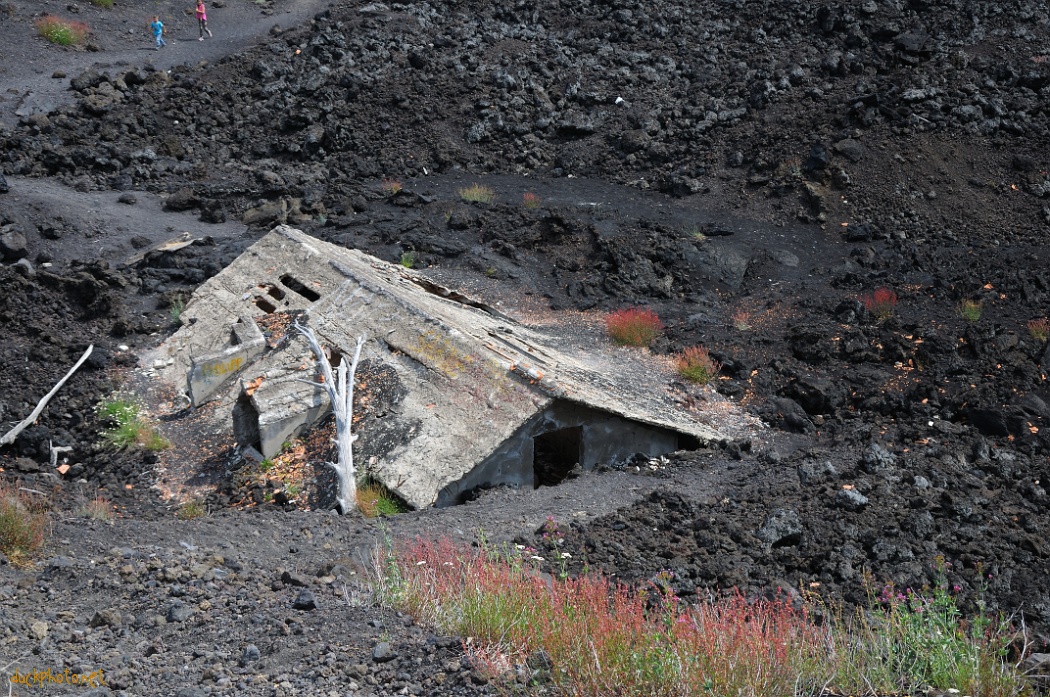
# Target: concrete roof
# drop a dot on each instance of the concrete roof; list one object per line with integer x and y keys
{"x": 468, "y": 377}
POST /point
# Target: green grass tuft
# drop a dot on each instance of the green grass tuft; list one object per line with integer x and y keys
{"x": 191, "y": 509}
{"x": 129, "y": 426}
{"x": 970, "y": 310}
{"x": 476, "y": 193}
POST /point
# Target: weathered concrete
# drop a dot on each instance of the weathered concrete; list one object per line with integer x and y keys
{"x": 208, "y": 372}
{"x": 458, "y": 394}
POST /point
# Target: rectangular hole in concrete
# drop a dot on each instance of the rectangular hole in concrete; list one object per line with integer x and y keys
{"x": 299, "y": 287}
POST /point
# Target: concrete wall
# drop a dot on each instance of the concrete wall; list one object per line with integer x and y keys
{"x": 605, "y": 438}
{"x": 209, "y": 372}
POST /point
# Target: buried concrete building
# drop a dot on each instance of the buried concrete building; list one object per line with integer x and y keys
{"x": 453, "y": 394}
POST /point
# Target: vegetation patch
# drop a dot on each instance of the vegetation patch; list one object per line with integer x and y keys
{"x": 881, "y": 303}
{"x": 633, "y": 326}
{"x": 530, "y": 201}
{"x": 646, "y": 641}
{"x": 129, "y": 426}
{"x": 409, "y": 259}
{"x": 191, "y": 509}
{"x": 390, "y": 187}
{"x": 476, "y": 193}
{"x": 64, "y": 32}
{"x": 696, "y": 365}
{"x": 97, "y": 508}
{"x": 1039, "y": 329}
{"x": 374, "y": 500}
{"x": 741, "y": 321}
{"x": 970, "y": 310}
{"x": 104, "y": 4}
{"x": 24, "y": 524}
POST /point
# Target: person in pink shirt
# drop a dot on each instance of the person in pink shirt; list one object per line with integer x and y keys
{"x": 202, "y": 20}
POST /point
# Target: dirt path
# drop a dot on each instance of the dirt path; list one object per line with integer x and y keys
{"x": 35, "y": 75}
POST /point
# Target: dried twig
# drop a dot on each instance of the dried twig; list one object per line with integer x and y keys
{"x": 10, "y": 436}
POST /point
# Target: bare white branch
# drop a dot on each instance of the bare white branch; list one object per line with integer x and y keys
{"x": 340, "y": 389}
{"x": 10, "y": 436}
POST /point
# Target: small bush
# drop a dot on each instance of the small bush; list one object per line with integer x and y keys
{"x": 741, "y": 321}
{"x": 970, "y": 310}
{"x": 633, "y": 326}
{"x": 1039, "y": 329}
{"x": 63, "y": 32}
{"x": 390, "y": 187}
{"x": 697, "y": 233}
{"x": 178, "y": 304}
{"x": 98, "y": 508}
{"x": 476, "y": 193}
{"x": 24, "y": 524}
{"x": 191, "y": 509}
{"x": 881, "y": 303}
{"x": 375, "y": 500}
{"x": 130, "y": 427}
{"x": 409, "y": 259}
{"x": 104, "y": 4}
{"x": 530, "y": 201}
{"x": 696, "y": 365}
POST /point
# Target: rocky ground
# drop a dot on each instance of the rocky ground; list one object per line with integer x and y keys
{"x": 752, "y": 171}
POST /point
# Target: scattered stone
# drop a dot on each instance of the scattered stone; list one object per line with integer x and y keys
{"x": 383, "y": 652}
{"x": 305, "y": 600}
{"x": 178, "y": 611}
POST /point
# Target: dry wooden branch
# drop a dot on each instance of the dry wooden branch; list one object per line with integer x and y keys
{"x": 10, "y": 436}
{"x": 340, "y": 389}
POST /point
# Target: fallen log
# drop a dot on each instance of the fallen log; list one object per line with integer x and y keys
{"x": 10, "y": 436}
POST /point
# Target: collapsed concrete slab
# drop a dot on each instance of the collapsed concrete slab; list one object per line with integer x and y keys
{"x": 454, "y": 395}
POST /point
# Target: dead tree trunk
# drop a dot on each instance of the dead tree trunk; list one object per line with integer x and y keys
{"x": 340, "y": 389}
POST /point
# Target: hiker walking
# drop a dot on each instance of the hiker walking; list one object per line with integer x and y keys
{"x": 202, "y": 20}
{"x": 158, "y": 31}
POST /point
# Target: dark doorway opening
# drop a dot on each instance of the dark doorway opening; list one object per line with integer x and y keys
{"x": 556, "y": 455}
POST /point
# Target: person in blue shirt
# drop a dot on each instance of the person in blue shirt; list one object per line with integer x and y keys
{"x": 158, "y": 31}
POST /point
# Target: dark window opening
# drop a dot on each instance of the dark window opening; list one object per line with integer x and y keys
{"x": 556, "y": 455}
{"x": 273, "y": 291}
{"x": 246, "y": 422}
{"x": 265, "y": 306}
{"x": 299, "y": 287}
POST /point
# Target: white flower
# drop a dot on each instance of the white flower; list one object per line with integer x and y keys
{"x": 566, "y": 555}
{"x": 535, "y": 558}
{"x": 519, "y": 547}
{"x": 421, "y": 562}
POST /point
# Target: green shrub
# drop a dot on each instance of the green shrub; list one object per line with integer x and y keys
{"x": 191, "y": 509}
{"x": 104, "y": 4}
{"x": 63, "y": 32}
{"x": 129, "y": 427}
{"x": 1039, "y": 329}
{"x": 375, "y": 500}
{"x": 409, "y": 259}
{"x": 633, "y": 326}
{"x": 970, "y": 310}
{"x": 476, "y": 193}
{"x": 178, "y": 304}
{"x": 696, "y": 365}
